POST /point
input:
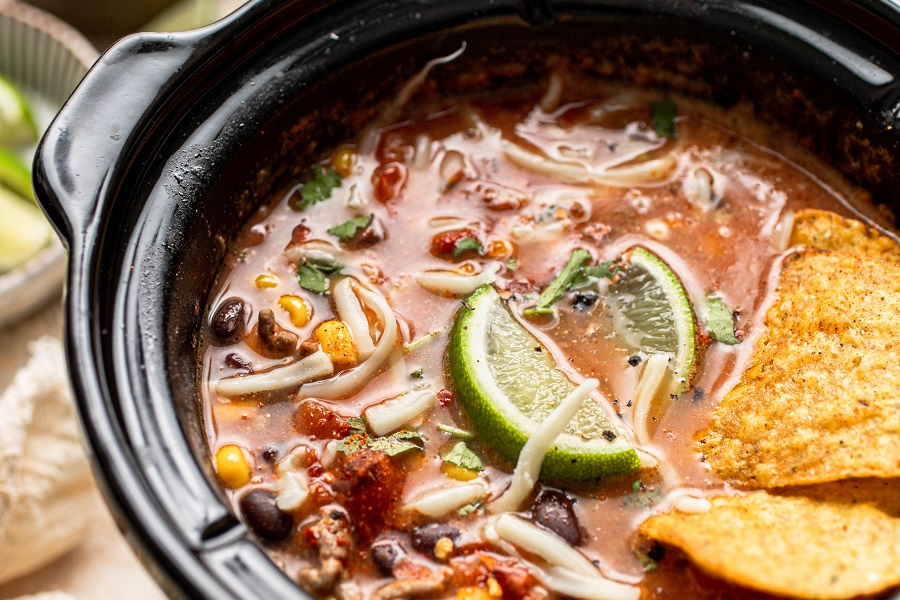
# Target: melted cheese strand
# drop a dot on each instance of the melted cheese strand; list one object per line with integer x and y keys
{"x": 648, "y": 387}
{"x": 441, "y": 501}
{"x": 528, "y": 467}
{"x": 314, "y": 366}
{"x": 449, "y": 283}
{"x": 351, "y": 313}
{"x": 350, "y": 381}
{"x": 392, "y": 414}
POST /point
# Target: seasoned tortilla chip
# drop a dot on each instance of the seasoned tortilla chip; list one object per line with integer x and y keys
{"x": 828, "y": 231}
{"x": 789, "y": 545}
{"x": 820, "y": 400}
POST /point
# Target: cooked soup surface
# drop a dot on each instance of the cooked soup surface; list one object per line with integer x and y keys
{"x": 581, "y": 244}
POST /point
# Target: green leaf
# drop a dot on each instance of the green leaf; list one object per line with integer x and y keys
{"x": 354, "y": 443}
{"x": 456, "y": 432}
{"x": 417, "y": 374}
{"x": 357, "y": 425}
{"x": 467, "y": 243}
{"x": 348, "y": 229}
{"x": 664, "y": 113}
{"x": 470, "y": 507}
{"x": 312, "y": 279}
{"x": 312, "y": 275}
{"x": 606, "y": 269}
{"x": 317, "y": 189}
{"x": 561, "y": 284}
{"x": 394, "y": 444}
{"x": 720, "y": 321}
{"x": 645, "y": 498}
{"x": 461, "y": 456}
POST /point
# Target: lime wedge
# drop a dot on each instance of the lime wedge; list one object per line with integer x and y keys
{"x": 17, "y": 125}
{"x": 14, "y": 174}
{"x": 651, "y": 312}
{"x": 508, "y": 383}
{"x": 23, "y": 230}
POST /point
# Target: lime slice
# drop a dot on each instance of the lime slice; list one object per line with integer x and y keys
{"x": 14, "y": 175}
{"x": 17, "y": 126}
{"x": 23, "y": 230}
{"x": 651, "y": 312}
{"x": 508, "y": 383}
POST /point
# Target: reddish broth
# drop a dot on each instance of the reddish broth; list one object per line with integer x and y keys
{"x": 725, "y": 249}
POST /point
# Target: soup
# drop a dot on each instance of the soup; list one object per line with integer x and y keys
{"x": 564, "y": 280}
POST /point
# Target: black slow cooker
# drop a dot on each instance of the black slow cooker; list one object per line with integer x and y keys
{"x": 173, "y": 139}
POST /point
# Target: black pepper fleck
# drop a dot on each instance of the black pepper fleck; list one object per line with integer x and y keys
{"x": 609, "y": 435}
{"x": 634, "y": 360}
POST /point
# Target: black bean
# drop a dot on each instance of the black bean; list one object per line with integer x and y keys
{"x": 236, "y": 361}
{"x": 424, "y": 538}
{"x": 228, "y": 323}
{"x": 584, "y": 301}
{"x": 270, "y": 455}
{"x": 553, "y": 509}
{"x": 264, "y": 517}
{"x": 385, "y": 554}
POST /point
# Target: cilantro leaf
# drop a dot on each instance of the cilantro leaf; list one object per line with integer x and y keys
{"x": 461, "y": 456}
{"x": 606, "y": 269}
{"x": 317, "y": 189}
{"x": 644, "y": 497}
{"x": 357, "y": 425}
{"x": 721, "y": 321}
{"x": 456, "y": 432}
{"x": 312, "y": 275}
{"x": 561, "y": 284}
{"x": 312, "y": 279}
{"x": 470, "y": 507}
{"x": 467, "y": 243}
{"x": 348, "y": 229}
{"x": 664, "y": 113}
{"x": 392, "y": 445}
{"x": 417, "y": 374}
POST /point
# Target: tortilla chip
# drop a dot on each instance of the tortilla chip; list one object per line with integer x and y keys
{"x": 789, "y": 545}
{"x": 820, "y": 400}
{"x": 829, "y": 231}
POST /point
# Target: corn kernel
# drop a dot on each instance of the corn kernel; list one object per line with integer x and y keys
{"x": 336, "y": 342}
{"x": 343, "y": 161}
{"x": 472, "y": 593}
{"x": 442, "y": 548}
{"x": 297, "y": 308}
{"x": 494, "y": 588}
{"x": 458, "y": 473}
{"x": 267, "y": 280}
{"x": 232, "y": 467}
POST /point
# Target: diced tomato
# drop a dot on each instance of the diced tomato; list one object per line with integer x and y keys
{"x": 320, "y": 421}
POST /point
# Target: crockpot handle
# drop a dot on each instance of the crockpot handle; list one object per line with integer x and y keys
{"x": 83, "y": 145}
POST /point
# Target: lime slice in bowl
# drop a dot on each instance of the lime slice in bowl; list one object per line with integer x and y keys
{"x": 651, "y": 312}
{"x": 17, "y": 126}
{"x": 23, "y": 230}
{"x": 507, "y": 383}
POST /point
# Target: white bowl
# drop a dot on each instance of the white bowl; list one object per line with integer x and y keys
{"x": 47, "y": 59}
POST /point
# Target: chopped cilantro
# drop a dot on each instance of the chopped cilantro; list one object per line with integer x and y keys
{"x": 606, "y": 269}
{"x": 470, "y": 507}
{"x": 637, "y": 485}
{"x": 647, "y": 559}
{"x": 357, "y": 425}
{"x": 392, "y": 445}
{"x": 561, "y": 284}
{"x": 461, "y": 456}
{"x": 720, "y": 321}
{"x": 317, "y": 189}
{"x": 664, "y": 113}
{"x": 417, "y": 374}
{"x": 456, "y": 432}
{"x": 312, "y": 275}
{"x": 415, "y": 344}
{"x": 348, "y": 229}
{"x": 466, "y": 243}
{"x": 512, "y": 264}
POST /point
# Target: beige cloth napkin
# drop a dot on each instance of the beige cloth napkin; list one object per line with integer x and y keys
{"x": 47, "y": 497}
